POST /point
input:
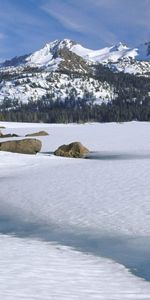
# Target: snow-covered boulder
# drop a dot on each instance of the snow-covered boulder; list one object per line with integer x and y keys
{"x": 75, "y": 149}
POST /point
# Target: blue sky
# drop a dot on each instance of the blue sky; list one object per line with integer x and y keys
{"x": 26, "y": 25}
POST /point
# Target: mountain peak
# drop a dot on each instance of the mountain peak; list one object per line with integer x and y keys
{"x": 120, "y": 46}
{"x": 49, "y": 52}
{"x": 65, "y": 43}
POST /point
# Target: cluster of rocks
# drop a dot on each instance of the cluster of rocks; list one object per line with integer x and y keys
{"x": 25, "y": 146}
{"x": 33, "y": 146}
{"x": 40, "y": 133}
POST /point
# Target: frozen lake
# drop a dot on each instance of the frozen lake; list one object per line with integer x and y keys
{"x": 95, "y": 209}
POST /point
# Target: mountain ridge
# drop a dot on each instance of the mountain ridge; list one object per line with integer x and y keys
{"x": 65, "y": 72}
{"x": 48, "y": 53}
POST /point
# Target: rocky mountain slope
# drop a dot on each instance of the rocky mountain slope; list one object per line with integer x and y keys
{"x": 64, "y": 69}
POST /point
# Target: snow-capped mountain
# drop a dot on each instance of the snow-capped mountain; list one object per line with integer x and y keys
{"x": 64, "y": 68}
{"x": 51, "y": 55}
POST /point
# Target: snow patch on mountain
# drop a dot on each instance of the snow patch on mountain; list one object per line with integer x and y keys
{"x": 131, "y": 66}
{"x": 107, "y": 54}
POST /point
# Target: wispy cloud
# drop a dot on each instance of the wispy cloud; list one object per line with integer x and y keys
{"x": 26, "y": 25}
{"x": 107, "y": 20}
{"x": 66, "y": 22}
{"x": 79, "y": 17}
{"x": 65, "y": 13}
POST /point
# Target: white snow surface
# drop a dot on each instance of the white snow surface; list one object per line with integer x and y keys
{"x": 107, "y": 54}
{"x": 48, "y": 203}
{"x": 35, "y": 270}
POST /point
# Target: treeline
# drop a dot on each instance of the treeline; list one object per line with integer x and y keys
{"x": 67, "y": 111}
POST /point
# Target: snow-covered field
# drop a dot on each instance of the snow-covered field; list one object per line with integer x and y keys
{"x": 76, "y": 228}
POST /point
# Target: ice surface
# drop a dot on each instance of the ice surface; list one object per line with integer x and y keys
{"x": 117, "y": 185}
{"x": 34, "y": 270}
{"x": 99, "y": 206}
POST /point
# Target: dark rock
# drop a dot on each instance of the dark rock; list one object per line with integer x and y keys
{"x": 8, "y": 135}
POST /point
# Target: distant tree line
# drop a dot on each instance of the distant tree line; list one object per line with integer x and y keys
{"x": 118, "y": 110}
